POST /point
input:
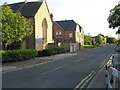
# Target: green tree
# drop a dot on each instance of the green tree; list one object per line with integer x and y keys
{"x": 87, "y": 40}
{"x": 99, "y": 39}
{"x": 112, "y": 40}
{"x": 15, "y": 27}
{"x": 114, "y": 18}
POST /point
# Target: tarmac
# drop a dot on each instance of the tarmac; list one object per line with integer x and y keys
{"x": 97, "y": 82}
{"x": 8, "y": 66}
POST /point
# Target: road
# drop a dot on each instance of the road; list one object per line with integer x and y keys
{"x": 72, "y": 72}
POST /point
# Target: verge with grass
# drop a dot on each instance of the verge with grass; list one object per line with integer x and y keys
{"x": 90, "y": 46}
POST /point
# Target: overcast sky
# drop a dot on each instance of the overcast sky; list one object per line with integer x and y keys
{"x": 90, "y": 14}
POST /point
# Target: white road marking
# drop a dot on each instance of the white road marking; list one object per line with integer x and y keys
{"x": 79, "y": 60}
{"x": 53, "y": 69}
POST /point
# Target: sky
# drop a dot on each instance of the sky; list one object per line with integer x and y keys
{"x": 90, "y": 14}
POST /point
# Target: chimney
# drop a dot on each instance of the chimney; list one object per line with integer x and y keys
{"x": 25, "y": 1}
{"x": 51, "y": 15}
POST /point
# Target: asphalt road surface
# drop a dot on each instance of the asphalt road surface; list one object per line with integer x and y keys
{"x": 72, "y": 72}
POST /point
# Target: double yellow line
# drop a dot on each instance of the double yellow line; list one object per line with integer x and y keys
{"x": 91, "y": 75}
{"x": 85, "y": 81}
{"x": 105, "y": 60}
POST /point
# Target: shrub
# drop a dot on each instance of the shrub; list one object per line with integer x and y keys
{"x": 46, "y": 52}
{"x": 39, "y": 53}
{"x": 18, "y": 55}
{"x": 59, "y": 50}
{"x": 51, "y": 51}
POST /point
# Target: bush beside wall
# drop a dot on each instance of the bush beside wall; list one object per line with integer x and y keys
{"x": 18, "y": 55}
{"x": 51, "y": 51}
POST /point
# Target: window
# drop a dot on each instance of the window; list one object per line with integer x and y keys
{"x": 78, "y": 34}
{"x": 70, "y": 35}
{"x": 44, "y": 29}
{"x": 56, "y": 33}
{"x": 60, "y": 34}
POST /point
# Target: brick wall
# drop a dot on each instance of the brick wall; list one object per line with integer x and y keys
{"x": 68, "y": 37}
{"x": 58, "y": 33}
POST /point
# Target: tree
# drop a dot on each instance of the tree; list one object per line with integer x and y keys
{"x": 87, "y": 40}
{"x": 111, "y": 40}
{"x": 99, "y": 39}
{"x": 114, "y": 18}
{"x": 15, "y": 27}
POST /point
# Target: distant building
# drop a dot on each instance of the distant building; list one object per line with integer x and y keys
{"x": 73, "y": 34}
{"x": 104, "y": 39}
{"x": 93, "y": 41}
{"x": 39, "y": 13}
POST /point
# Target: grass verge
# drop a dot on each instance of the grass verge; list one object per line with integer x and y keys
{"x": 90, "y": 46}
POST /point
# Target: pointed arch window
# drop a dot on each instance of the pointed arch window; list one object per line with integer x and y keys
{"x": 44, "y": 29}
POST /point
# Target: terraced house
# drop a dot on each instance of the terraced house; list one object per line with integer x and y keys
{"x": 39, "y": 13}
{"x": 70, "y": 33}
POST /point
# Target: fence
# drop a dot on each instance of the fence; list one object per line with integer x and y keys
{"x": 112, "y": 72}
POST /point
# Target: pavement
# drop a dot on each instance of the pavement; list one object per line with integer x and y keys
{"x": 99, "y": 80}
{"x": 8, "y": 66}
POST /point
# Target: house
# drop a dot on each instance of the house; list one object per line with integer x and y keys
{"x": 39, "y": 14}
{"x": 93, "y": 41}
{"x": 104, "y": 39}
{"x": 58, "y": 33}
{"x": 73, "y": 34}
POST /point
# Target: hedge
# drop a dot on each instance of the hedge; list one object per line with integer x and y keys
{"x": 18, "y": 55}
{"x": 51, "y": 51}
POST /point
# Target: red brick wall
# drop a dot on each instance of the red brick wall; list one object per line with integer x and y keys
{"x": 58, "y": 29}
{"x": 67, "y": 38}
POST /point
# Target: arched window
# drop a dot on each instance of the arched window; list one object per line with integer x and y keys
{"x": 44, "y": 28}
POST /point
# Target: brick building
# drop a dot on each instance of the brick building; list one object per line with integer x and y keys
{"x": 58, "y": 33}
{"x": 73, "y": 34}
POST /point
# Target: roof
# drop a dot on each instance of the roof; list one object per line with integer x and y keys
{"x": 58, "y": 25}
{"x": 67, "y": 24}
{"x": 28, "y": 9}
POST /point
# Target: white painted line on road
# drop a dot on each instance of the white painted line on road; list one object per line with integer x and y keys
{"x": 53, "y": 69}
{"x": 83, "y": 80}
{"x": 76, "y": 61}
{"x": 29, "y": 66}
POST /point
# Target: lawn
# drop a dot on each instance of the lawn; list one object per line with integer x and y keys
{"x": 90, "y": 46}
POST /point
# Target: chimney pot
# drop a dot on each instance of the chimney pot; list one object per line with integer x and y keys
{"x": 25, "y": 1}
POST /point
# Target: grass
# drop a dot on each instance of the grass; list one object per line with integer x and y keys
{"x": 90, "y": 46}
